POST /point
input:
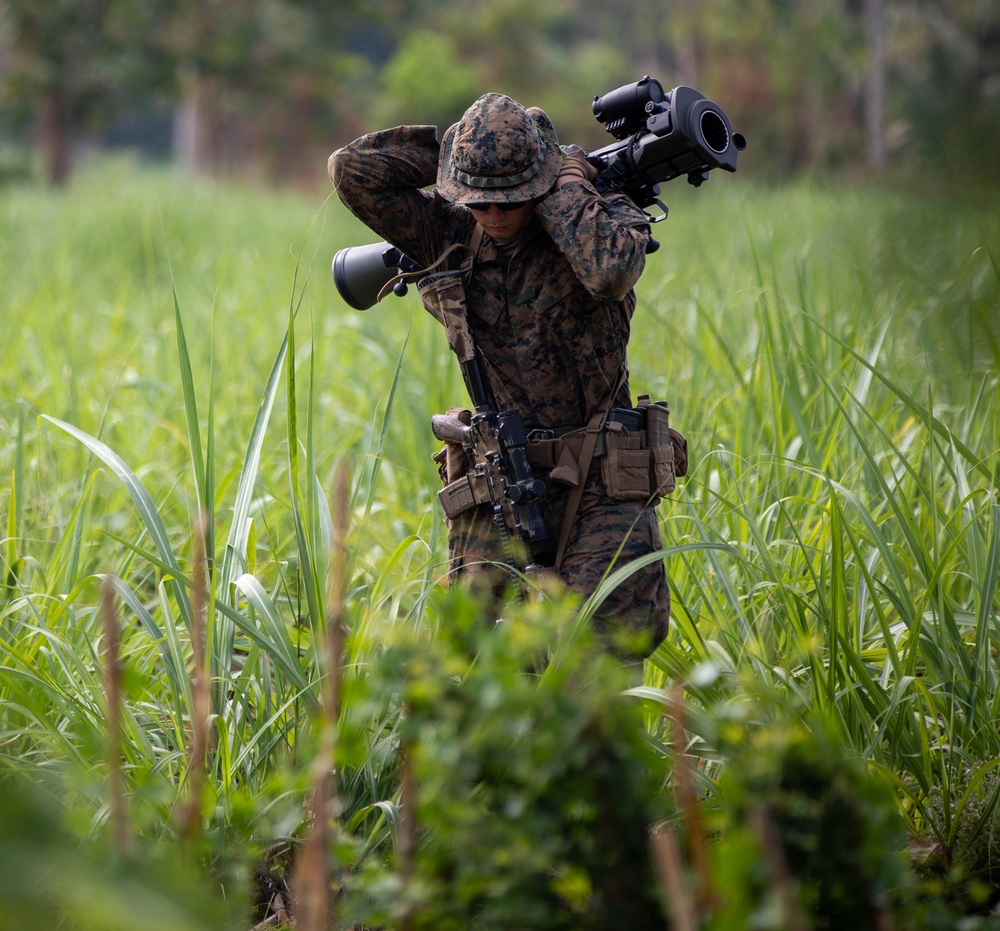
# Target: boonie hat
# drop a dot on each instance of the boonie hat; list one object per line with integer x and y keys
{"x": 499, "y": 152}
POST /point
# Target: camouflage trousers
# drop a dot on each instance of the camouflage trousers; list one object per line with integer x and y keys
{"x": 606, "y": 535}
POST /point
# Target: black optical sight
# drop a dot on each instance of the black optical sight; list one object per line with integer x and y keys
{"x": 623, "y": 109}
{"x": 361, "y": 272}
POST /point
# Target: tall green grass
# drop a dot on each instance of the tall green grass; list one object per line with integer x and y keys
{"x": 177, "y": 364}
{"x": 837, "y": 546}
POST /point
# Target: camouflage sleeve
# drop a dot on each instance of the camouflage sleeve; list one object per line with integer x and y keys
{"x": 603, "y": 238}
{"x": 379, "y": 178}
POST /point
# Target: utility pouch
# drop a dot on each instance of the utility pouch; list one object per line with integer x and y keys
{"x": 644, "y": 465}
{"x": 680, "y": 444}
{"x": 625, "y": 465}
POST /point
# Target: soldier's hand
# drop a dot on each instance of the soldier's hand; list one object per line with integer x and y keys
{"x": 575, "y": 166}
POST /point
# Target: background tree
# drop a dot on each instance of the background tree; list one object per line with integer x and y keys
{"x": 74, "y": 65}
{"x": 233, "y": 60}
{"x": 875, "y": 84}
{"x": 944, "y": 84}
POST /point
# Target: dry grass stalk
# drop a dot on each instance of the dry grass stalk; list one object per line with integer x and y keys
{"x": 670, "y": 872}
{"x": 189, "y": 815}
{"x": 312, "y": 874}
{"x": 407, "y": 827}
{"x": 687, "y": 795}
{"x": 117, "y": 802}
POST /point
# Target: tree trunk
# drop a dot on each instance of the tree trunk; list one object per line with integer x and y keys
{"x": 875, "y": 85}
{"x": 53, "y": 137}
{"x": 198, "y": 127}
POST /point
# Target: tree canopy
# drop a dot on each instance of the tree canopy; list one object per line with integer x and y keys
{"x": 265, "y": 86}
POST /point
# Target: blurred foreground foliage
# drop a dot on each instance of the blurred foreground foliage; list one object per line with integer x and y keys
{"x": 529, "y": 795}
{"x": 52, "y": 875}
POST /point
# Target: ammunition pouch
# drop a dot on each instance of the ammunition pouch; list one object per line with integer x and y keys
{"x": 645, "y": 464}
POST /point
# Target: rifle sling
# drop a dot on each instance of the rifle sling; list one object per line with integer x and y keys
{"x": 594, "y": 430}
{"x": 473, "y": 247}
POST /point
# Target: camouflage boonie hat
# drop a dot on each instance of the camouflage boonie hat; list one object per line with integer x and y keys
{"x": 499, "y": 152}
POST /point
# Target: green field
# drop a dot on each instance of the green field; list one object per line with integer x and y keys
{"x": 831, "y": 353}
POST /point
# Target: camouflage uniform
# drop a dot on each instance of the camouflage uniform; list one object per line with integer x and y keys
{"x": 551, "y": 322}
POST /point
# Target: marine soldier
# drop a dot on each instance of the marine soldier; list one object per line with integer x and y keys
{"x": 548, "y": 303}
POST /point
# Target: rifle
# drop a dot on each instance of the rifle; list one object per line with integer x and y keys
{"x": 501, "y": 475}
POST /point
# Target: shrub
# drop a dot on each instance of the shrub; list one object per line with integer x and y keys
{"x": 810, "y": 832}
{"x": 533, "y": 789}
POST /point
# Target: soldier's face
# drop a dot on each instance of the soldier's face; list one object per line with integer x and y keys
{"x": 503, "y": 224}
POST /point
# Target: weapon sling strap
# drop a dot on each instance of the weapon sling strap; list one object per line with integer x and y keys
{"x": 466, "y": 268}
{"x": 594, "y": 430}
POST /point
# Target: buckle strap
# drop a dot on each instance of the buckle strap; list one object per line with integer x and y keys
{"x": 593, "y": 433}
{"x": 594, "y": 429}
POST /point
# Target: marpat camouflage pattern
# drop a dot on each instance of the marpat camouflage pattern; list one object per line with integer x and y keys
{"x": 552, "y": 323}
